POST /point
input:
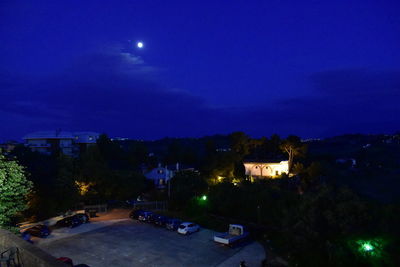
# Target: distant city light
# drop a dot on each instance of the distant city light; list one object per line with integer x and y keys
{"x": 140, "y": 45}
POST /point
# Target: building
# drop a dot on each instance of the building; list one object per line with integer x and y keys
{"x": 68, "y": 143}
{"x": 8, "y": 147}
{"x": 266, "y": 169}
{"x": 161, "y": 175}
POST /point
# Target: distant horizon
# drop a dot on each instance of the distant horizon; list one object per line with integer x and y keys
{"x": 20, "y": 140}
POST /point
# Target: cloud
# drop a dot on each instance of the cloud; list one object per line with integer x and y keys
{"x": 112, "y": 92}
{"x": 345, "y": 101}
{"x": 118, "y": 93}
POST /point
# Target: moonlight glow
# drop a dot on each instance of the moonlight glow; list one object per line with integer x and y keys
{"x": 139, "y": 44}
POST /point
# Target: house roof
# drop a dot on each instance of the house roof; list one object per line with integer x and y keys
{"x": 49, "y": 135}
{"x": 264, "y": 161}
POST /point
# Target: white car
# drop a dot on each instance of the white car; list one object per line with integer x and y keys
{"x": 188, "y": 228}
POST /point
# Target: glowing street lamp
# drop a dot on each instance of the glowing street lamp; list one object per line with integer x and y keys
{"x": 367, "y": 247}
{"x": 371, "y": 247}
{"x": 204, "y": 197}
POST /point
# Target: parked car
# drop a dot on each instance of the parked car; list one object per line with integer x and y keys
{"x": 71, "y": 221}
{"x": 173, "y": 224}
{"x": 39, "y": 230}
{"x": 160, "y": 220}
{"x": 83, "y": 217}
{"x": 153, "y": 218}
{"x": 134, "y": 214}
{"x": 187, "y": 228}
{"x": 146, "y": 216}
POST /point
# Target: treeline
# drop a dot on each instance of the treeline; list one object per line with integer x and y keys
{"x": 113, "y": 170}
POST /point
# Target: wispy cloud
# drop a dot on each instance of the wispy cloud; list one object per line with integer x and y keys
{"x": 115, "y": 91}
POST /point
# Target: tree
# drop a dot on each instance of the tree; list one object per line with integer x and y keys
{"x": 64, "y": 190}
{"x": 14, "y": 189}
{"x": 293, "y": 147}
{"x": 240, "y": 143}
{"x": 186, "y": 185}
{"x": 93, "y": 169}
{"x": 112, "y": 153}
{"x": 138, "y": 154}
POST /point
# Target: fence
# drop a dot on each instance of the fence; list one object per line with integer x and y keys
{"x": 97, "y": 208}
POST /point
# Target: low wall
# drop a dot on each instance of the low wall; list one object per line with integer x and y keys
{"x": 28, "y": 255}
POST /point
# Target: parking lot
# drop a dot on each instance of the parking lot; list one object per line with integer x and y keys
{"x": 131, "y": 243}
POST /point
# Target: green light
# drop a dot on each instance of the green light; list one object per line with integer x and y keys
{"x": 204, "y": 197}
{"x": 370, "y": 247}
{"x": 367, "y": 247}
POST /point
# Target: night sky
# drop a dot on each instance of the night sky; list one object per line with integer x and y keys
{"x": 310, "y": 68}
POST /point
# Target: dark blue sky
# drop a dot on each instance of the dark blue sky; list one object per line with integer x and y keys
{"x": 311, "y": 68}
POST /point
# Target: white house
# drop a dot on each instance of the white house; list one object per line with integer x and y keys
{"x": 68, "y": 143}
{"x": 266, "y": 169}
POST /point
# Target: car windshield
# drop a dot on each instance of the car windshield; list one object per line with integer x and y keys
{"x": 182, "y": 226}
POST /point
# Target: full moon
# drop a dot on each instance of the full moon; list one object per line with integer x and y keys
{"x": 139, "y": 44}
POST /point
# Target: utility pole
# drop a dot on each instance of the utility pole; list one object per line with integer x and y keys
{"x": 169, "y": 189}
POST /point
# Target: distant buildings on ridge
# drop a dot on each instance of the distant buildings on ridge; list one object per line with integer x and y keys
{"x": 68, "y": 143}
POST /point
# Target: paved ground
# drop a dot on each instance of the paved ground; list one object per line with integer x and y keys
{"x": 130, "y": 243}
{"x": 65, "y": 232}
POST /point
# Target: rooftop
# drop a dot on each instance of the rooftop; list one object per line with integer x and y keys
{"x": 79, "y": 136}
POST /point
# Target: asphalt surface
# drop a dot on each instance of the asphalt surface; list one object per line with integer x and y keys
{"x": 131, "y": 243}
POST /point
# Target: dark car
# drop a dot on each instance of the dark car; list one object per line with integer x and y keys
{"x": 152, "y": 218}
{"x": 146, "y": 216}
{"x": 71, "y": 221}
{"x": 84, "y": 218}
{"x": 39, "y": 230}
{"x": 160, "y": 220}
{"x": 173, "y": 224}
{"x": 134, "y": 214}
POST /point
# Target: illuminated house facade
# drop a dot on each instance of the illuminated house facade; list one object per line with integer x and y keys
{"x": 68, "y": 143}
{"x": 161, "y": 175}
{"x": 266, "y": 169}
